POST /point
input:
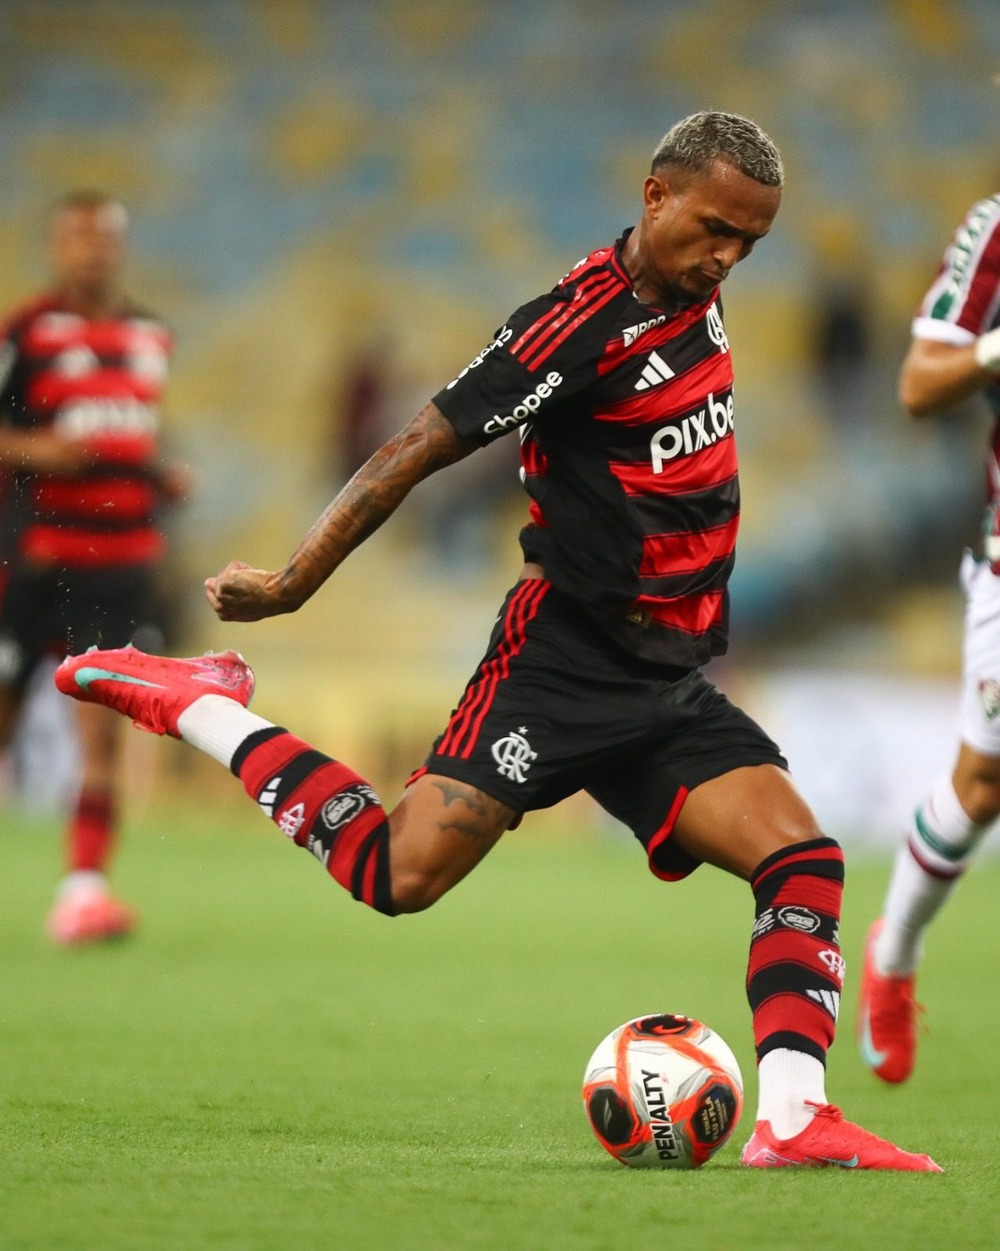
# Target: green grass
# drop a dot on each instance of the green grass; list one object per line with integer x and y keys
{"x": 269, "y": 1065}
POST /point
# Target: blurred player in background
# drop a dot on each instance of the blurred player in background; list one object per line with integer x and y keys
{"x": 619, "y": 381}
{"x": 82, "y": 371}
{"x": 954, "y": 353}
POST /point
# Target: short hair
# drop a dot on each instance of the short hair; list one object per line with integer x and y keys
{"x": 86, "y": 199}
{"x": 697, "y": 141}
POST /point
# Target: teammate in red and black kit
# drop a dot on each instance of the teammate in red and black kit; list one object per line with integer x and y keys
{"x": 82, "y": 372}
{"x": 620, "y": 382}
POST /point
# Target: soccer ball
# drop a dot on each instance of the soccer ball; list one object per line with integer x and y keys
{"x": 663, "y": 1092}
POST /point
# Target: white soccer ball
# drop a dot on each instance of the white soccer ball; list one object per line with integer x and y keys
{"x": 663, "y": 1092}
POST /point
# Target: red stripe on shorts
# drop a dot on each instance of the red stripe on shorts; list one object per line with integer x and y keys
{"x": 462, "y": 731}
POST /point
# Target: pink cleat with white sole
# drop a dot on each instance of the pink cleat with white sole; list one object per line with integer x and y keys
{"x": 153, "y": 690}
{"x": 86, "y": 916}
{"x": 828, "y": 1141}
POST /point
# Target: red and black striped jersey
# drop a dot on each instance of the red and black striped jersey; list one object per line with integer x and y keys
{"x": 100, "y": 382}
{"x": 627, "y": 450}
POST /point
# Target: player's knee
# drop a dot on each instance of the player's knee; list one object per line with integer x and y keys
{"x": 978, "y": 791}
{"x": 415, "y": 890}
{"x": 981, "y": 801}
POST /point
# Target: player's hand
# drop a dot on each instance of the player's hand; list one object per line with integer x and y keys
{"x": 242, "y": 593}
{"x": 44, "y": 452}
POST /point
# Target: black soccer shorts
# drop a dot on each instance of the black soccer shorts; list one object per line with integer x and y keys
{"x": 62, "y": 611}
{"x": 555, "y": 708}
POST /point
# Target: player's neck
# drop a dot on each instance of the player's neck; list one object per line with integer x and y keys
{"x": 648, "y": 287}
{"x": 94, "y": 303}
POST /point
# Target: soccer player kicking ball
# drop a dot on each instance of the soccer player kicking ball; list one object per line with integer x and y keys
{"x": 620, "y": 383}
{"x": 954, "y": 353}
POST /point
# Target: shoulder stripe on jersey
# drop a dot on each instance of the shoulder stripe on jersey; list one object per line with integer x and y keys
{"x": 957, "y": 276}
{"x": 541, "y": 339}
{"x": 981, "y": 302}
{"x": 610, "y": 294}
{"x": 585, "y": 288}
{"x": 462, "y": 731}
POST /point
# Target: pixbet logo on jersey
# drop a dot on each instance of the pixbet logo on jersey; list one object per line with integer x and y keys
{"x": 106, "y": 415}
{"x": 696, "y": 431}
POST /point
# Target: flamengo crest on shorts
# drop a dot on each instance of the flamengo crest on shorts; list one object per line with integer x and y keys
{"x": 513, "y": 755}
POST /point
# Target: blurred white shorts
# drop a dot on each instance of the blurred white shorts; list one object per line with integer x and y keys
{"x": 981, "y": 658}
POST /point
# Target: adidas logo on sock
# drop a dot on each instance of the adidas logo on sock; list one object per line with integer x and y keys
{"x": 268, "y": 796}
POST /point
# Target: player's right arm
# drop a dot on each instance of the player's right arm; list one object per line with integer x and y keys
{"x": 428, "y": 443}
{"x": 937, "y": 375}
{"x": 494, "y": 395}
{"x": 41, "y": 452}
{"x": 24, "y": 449}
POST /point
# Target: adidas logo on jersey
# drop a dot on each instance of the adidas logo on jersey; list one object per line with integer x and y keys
{"x": 655, "y": 371}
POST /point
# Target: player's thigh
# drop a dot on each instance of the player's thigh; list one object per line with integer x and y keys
{"x": 980, "y": 700}
{"x": 105, "y": 607}
{"x": 976, "y": 779}
{"x": 29, "y": 606}
{"x": 11, "y": 702}
{"x": 711, "y": 786}
{"x": 438, "y": 832}
{"x": 99, "y": 731}
{"x": 738, "y": 819}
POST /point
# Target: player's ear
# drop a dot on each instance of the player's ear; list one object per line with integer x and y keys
{"x": 655, "y": 192}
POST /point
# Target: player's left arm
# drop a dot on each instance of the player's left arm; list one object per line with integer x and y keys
{"x": 428, "y": 443}
{"x": 955, "y": 350}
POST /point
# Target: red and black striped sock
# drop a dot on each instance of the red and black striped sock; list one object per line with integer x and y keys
{"x": 322, "y": 806}
{"x": 91, "y": 833}
{"x": 796, "y": 971}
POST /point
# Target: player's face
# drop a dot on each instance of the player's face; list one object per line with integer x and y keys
{"x": 696, "y": 227}
{"x": 87, "y": 246}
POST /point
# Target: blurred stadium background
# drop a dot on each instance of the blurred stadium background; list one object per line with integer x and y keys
{"x": 335, "y": 203}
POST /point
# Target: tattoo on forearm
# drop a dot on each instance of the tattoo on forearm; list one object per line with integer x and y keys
{"x": 427, "y": 444}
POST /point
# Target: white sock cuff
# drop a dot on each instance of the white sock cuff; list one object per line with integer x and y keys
{"x": 788, "y": 1083}
{"x": 948, "y": 814}
{"x": 218, "y": 725}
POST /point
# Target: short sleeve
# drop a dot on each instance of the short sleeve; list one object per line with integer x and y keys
{"x": 506, "y": 386}
{"x": 964, "y": 300}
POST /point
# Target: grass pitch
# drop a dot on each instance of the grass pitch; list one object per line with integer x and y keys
{"x": 267, "y": 1065}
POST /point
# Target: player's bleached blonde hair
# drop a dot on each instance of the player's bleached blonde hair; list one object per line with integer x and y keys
{"x": 696, "y": 141}
{"x": 88, "y": 198}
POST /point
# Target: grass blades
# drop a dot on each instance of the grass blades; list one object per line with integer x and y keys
{"x": 267, "y": 1065}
